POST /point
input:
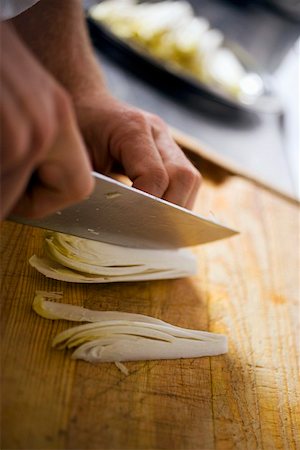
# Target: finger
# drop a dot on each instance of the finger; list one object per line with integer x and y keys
{"x": 15, "y": 165}
{"x": 15, "y": 131}
{"x": 140, "y": 158}
{"x": 34, "y": 91}
{"x": 184, "y": 179}
{"x": 13, "y": 185}
{"x": 62, "y": 179}
{"x": 195, "y": 190}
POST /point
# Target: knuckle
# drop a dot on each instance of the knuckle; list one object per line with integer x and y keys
{"x": 63, "y": 103}
{"x": 136, "y": 119}
{"x": 160, "y": 178}
{"x": 186, "y": 174}
{"x": 57, "y": 109}
{"x": 45, "y": 122}
{"x": 82, "y": 189}
{"x": 43, "y": 133}
{"x": 19, "y": 150}
{"x": 197, "y": 178}
{"x": 133, "y": 130}
{"x": 157, "y": 121}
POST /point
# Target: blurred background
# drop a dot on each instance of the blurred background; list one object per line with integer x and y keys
{"x": 266, "y": 145}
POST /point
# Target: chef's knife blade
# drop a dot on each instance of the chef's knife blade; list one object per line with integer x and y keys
{"x": 121, "y": 215}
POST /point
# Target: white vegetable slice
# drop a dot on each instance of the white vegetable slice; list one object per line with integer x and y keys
{"x": 54, "y": 310}
{"x": 93, "y": 257}
{"x": 139, "y": 349}
{"x": 84, "y": 261}
{"x": 126, "y": 337}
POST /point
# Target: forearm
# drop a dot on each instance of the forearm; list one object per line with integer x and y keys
{"x": 56, "y": 32}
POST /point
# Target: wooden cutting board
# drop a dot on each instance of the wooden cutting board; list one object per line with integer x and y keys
{"x": 247, "y": 287}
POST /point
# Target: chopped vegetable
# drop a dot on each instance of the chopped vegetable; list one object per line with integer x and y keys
{"x": 74, "y": 259}
{"x": 170, "y": 31}
{"x": 122, "y": 336}
{"x": 53, "y": 310}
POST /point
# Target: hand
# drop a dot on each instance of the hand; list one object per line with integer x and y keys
{"x": 114, "y": 132}
{"x": 44, "y": 164}
{"x": 141, "y": 143}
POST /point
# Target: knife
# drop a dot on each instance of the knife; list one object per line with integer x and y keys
{"x": 122, "y": 215}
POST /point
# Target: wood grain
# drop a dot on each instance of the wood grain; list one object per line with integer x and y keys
{"x": 247, "y": 287}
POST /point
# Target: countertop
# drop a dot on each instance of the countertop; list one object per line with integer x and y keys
{"x": 246, "y": 287}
